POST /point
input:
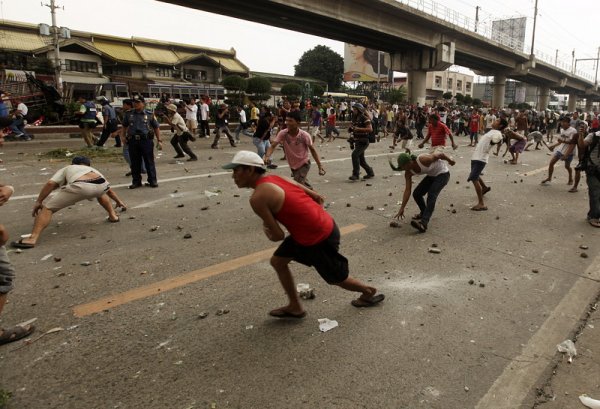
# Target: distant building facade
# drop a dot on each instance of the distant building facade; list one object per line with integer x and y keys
{"x": 115, "y": 65}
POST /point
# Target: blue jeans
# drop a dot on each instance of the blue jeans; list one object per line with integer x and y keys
{"x": 17, "y": 126}
{"x": 261, "y": 146}
{"x": 430, "y": 186}
{"x": 593, "y": 182}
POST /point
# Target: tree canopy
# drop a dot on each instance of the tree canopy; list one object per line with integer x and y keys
{"x": 291, "y": 90}
{"x": 321, "y": 63}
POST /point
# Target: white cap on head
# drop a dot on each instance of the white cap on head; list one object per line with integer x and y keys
{"x": 245, "y": 158}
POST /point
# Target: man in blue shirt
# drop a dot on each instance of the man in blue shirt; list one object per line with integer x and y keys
{"x": 140, "y": 129}
{"x": 110, "y": 122}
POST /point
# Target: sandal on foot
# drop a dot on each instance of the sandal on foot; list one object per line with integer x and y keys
{"x": 572, "y": 190}
{"x": 20, "y": 245}
{"x": 478, "y": 209}
{"x": 279, "y": 313}
{"x": 594, "y": 222}
{"x": 417, "y": 216}
{"x": 108, "y": 219}
{"x": 368, "y": 302}
{"x": 419, "y": 226}
{"x": 15, "y": 333}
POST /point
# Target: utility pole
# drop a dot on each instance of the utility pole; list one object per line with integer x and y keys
{"x": 573, "y": 63}
{"x": 378, "y": 72}
{"x": 57, "y": 65}
{"x": 535, "y": 13}
{"x": 476, "y": 17}
{"x": 556, "y": 58}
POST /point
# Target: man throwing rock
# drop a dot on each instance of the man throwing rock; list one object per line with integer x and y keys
{"x": 314, "y": 238}
{"x": 79, "y": 182}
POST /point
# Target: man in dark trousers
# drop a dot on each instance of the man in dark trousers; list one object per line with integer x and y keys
{"x": 140, "y": 129}
{"x": 314, "y": 237}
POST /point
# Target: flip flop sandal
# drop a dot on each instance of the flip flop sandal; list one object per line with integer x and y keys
{"x": 15, "y": 334}
{"x": 20, "y": 245}
{"x": 113, "y": 221}
{"x": 416, "y": 217}
{"x": 286, "y": 314}
{"x": 368, "y": 302}
{"x": 479, "y": 209}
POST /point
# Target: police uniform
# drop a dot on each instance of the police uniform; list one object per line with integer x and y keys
{"x": 111, "y": 124}
{"x": 140, "y": 127}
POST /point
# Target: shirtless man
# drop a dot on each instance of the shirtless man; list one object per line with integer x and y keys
{"x": 314, "y": 237}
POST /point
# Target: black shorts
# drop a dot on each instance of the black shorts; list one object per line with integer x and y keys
{"x": 323, "y": 256}
{"x": 477, "y": 167}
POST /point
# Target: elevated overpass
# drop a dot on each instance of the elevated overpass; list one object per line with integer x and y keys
{"x": 417, "y": 41}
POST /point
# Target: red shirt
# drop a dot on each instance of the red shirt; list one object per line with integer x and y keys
{"x": 474, "y": 123}
{"x": 305, "y": 219}
{"x": 438, "y": 134}
{"x": 331, "y": 119}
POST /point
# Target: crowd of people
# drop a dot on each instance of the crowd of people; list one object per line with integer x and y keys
{"x": 293, "y": 203}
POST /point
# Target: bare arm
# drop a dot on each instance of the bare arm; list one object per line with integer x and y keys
{"x": 48, "y": 188}
{"x": 406, "y": 194}
{"x": 6, "y": 192}
{"x": 443, "y": 156}
{"x": 315, "y": 156}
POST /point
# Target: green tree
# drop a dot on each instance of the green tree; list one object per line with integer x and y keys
{"x": 477, "y": 102}
{"x": 260, "y": 87}
{"x": 459, "y": 97}
{"x": 396, "y": 96}
{"x": 321, "y": 63}
{"x": 318, "y": 90}
{"x": 447, "y": 95}
{"x": 291, "y": 90}
{"x": 468, "y": 99}
{"x": 237, "y": 85}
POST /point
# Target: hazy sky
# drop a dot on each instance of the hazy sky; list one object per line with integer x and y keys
{"x": 560, "y": 26}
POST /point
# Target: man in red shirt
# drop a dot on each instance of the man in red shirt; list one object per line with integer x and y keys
{"x": 437, "y": 132}
{"x": 314, "y": 238}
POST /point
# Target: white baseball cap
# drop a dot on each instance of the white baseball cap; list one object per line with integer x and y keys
{"x": 245, "y": 158}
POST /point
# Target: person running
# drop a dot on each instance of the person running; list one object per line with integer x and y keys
{"x": 435, "y": 167}
{"x": 480, "y": 159}
{"x": 360, "y": 129}
{"x": 437, "y": 132}
{"x": 79, "y": 182}
{"x": 297, "y": 144}
{"x": 313, "y": 239}
{"x": 564, "y": 149}
{"x": 181, "y": 134}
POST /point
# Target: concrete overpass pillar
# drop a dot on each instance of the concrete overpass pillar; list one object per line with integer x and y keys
{"x": 417, "y": 87}
{"x": 589, "y": 104}
{"x": 543, "y": 98}
{"x": 572, "y": 102}
{"x": 498, "y": 91}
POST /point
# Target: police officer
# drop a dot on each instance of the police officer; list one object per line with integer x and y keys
{"x": 360, "y": 129}
{"x": 110, "y": 122}
{"x": 140, "y": 129}
{"x": 87, "y": 121}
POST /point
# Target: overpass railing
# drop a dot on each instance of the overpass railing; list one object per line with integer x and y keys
{"x": 484, "y": 29}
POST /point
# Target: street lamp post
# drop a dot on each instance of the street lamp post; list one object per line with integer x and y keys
{"x": 535, "y": 13}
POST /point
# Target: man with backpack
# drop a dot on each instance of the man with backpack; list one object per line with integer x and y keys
{"x": 87, "y": 122}
{"x": 590, "y": 146}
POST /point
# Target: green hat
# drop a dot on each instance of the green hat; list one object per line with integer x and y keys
{"x": 403, "y": 159}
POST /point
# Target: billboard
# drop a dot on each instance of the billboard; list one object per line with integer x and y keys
{"x": 510, "y": 32}
{"x": 360, "y": 64}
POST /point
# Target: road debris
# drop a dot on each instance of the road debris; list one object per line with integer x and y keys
{"x": 589, "y": 402}
{"x": 325, "y": 324}
{"x": 567, "y": 347}
{"x": 435, "y": 250}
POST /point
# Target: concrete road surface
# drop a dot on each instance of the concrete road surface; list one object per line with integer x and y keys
{"x": 475, "y": 326}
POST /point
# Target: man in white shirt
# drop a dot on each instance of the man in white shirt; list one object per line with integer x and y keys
{"x": 79, "y": 182}
{"x": 480, "y": 159}
{"x": 490, "y": 118}
{"x": 204, "y": 115}
{"x": 566, "y": 144}
{"x": 18, "y": 124}
{"x": 243, "y": 123}
{"x": 191, "y": 115}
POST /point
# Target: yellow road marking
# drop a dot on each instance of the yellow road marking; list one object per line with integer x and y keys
{"x": 160, "y": 287}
